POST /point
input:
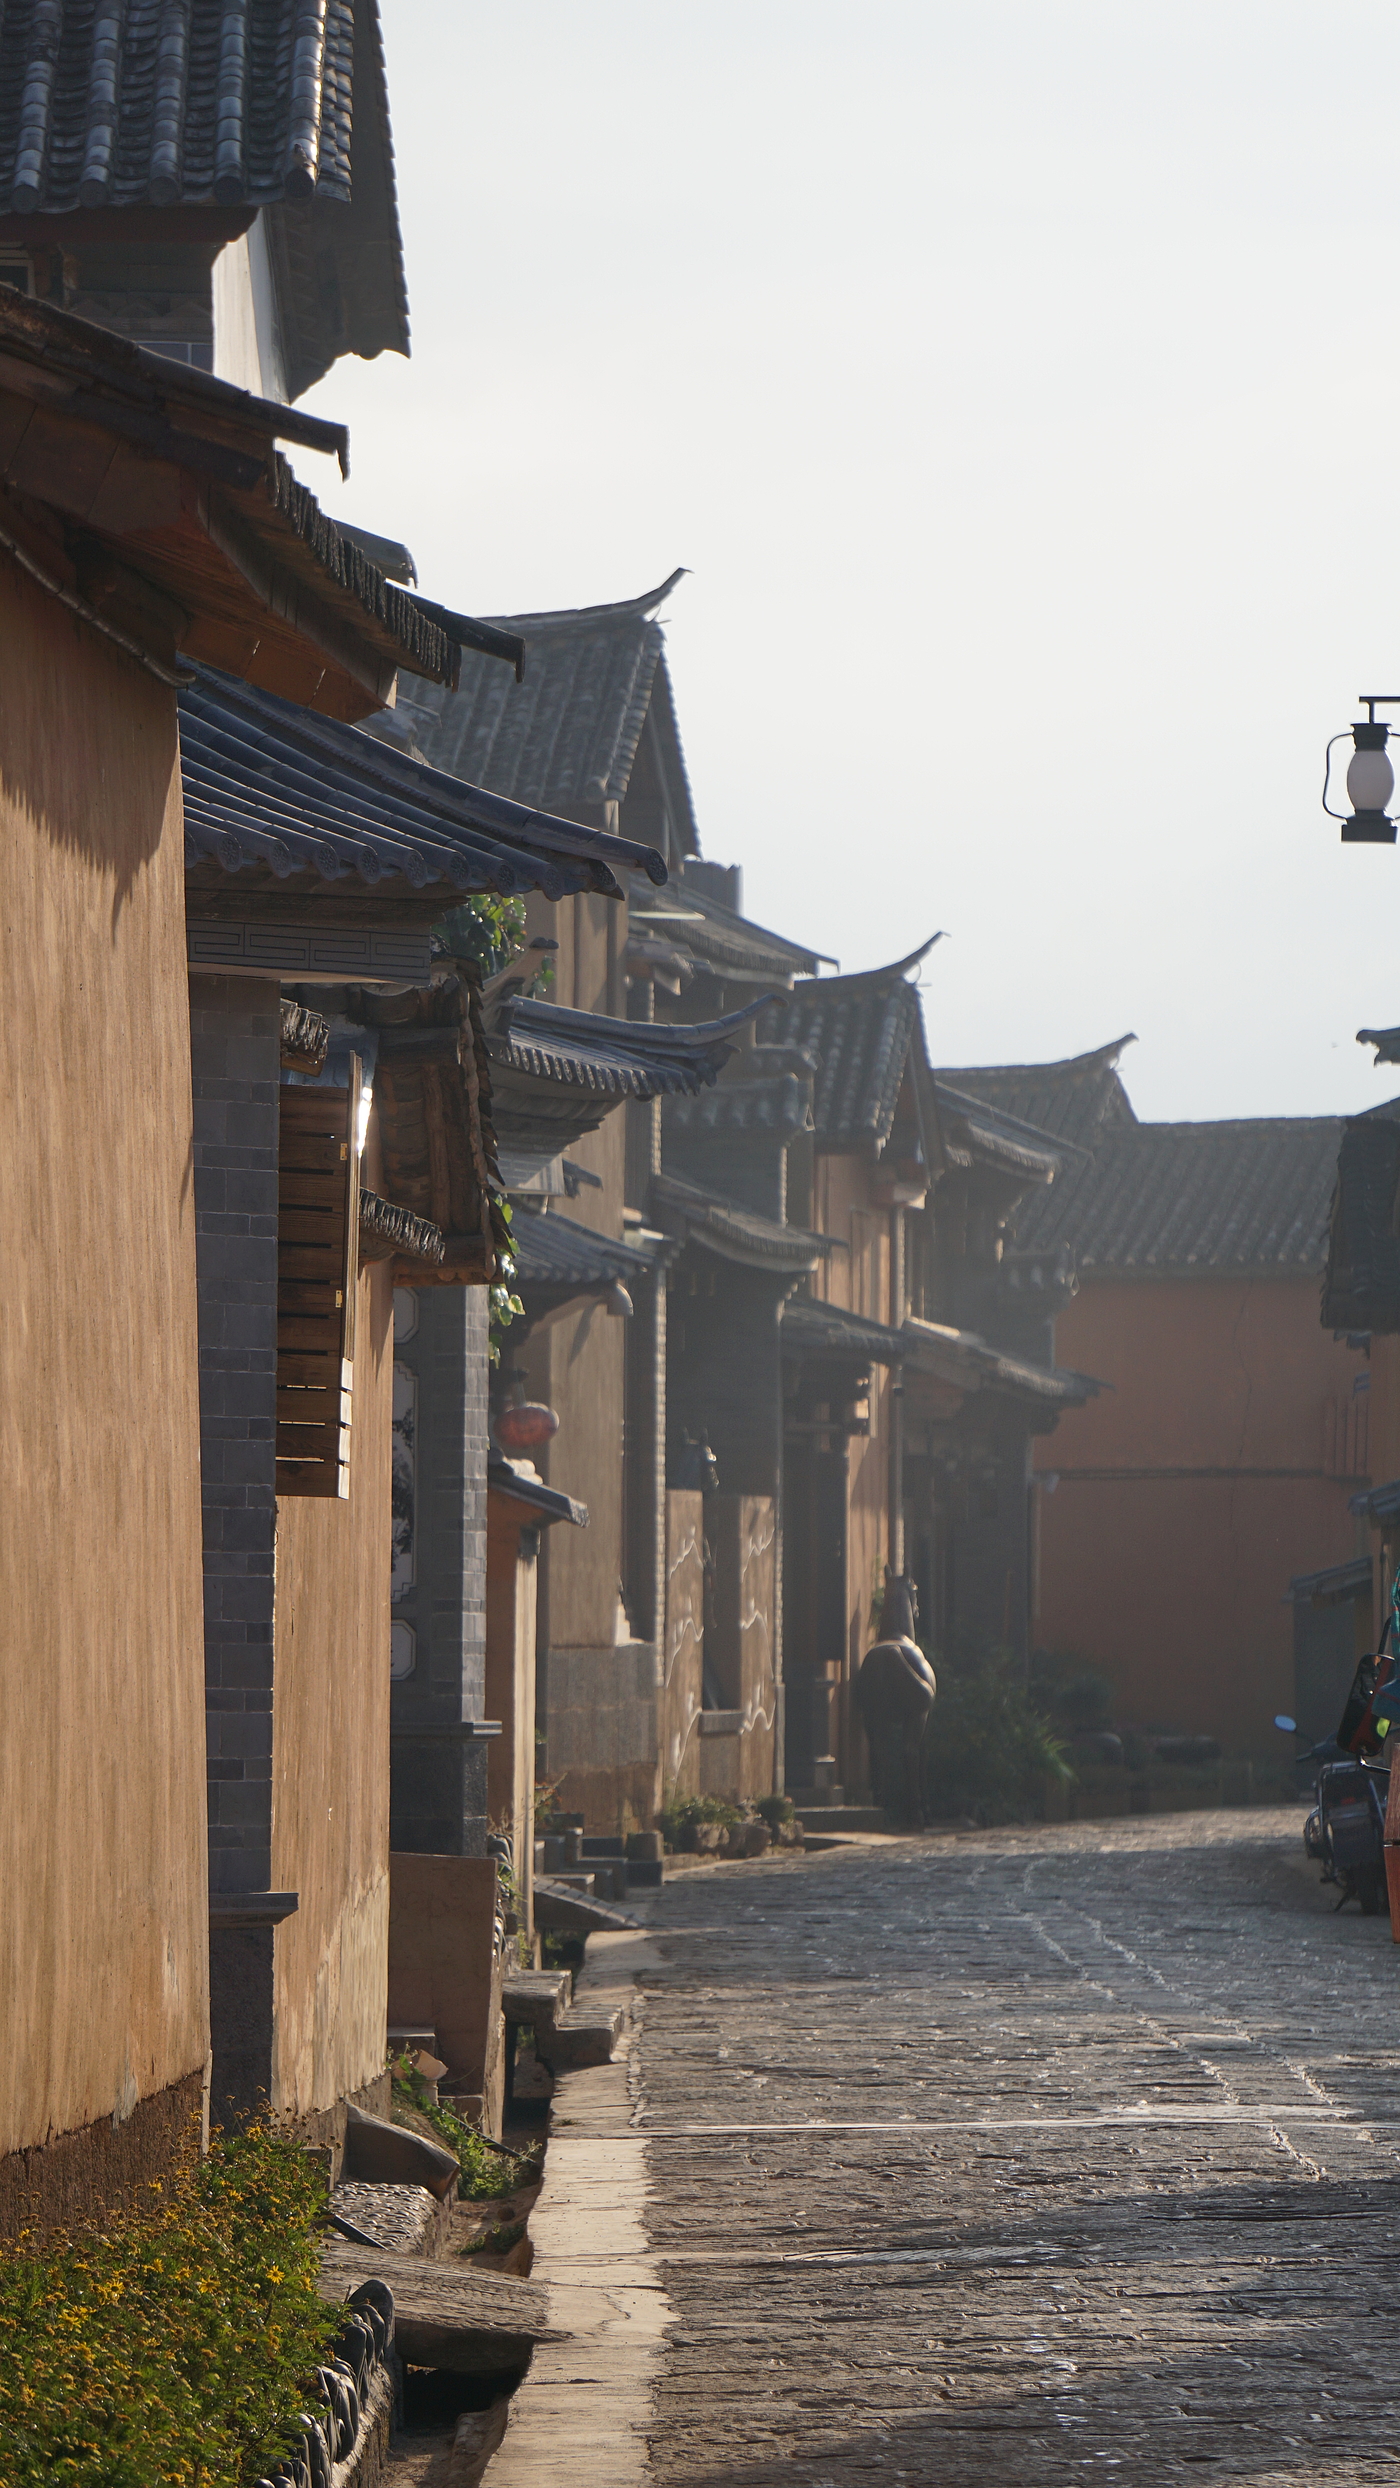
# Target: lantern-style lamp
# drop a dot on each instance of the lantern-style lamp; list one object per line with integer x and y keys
{"x": 1370, "y": 777}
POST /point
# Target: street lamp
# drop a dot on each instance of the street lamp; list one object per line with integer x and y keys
{"x": 1370, "y": 777}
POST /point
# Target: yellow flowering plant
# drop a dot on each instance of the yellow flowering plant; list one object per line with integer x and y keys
{"x": 172, "y": 2346}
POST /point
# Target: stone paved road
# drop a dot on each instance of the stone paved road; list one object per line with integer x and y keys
{"x": 1025, "y": 2156}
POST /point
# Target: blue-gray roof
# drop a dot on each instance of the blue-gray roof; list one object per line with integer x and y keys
{"x": 565, "y": 737}
{"x": 273, "y": 792}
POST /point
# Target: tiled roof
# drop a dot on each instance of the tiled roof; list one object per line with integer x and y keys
{"x": 613, "y": 1058}
{"x": 710, "y": 936}
{"x": 306, "y": 1038}
{"x": 557, "y": 1074}
{"x": 1377, "y": 1503}
{"x": 974, "y": 1133}
{"x": 557, "y": 1255}
{"x": 1073, "y": 1100}
{"x": 103, "y": 431}
{"x": 811, "y": 1328}
{"x": 522, "y": 1480}
{"x": 1188, "y": 1198}
{"x": 1334, "y": 1586}
{"x": 387, "y": 1231}
{"x": 268, "y": 104}
{"x": 239, "y": 101}
{"x": 781, "y": 1104}
{"x": 859, "y": 1028}
{"x": 274, "y": 792}
{"x": 1361, "y": 1289}
{"x": 964, "y": 1356}
{"x": 1164, "y": 1198}
{"x": 735, "y": 1233}
{"x": 956, "y": 1356}
{"x": 566, "y": 737}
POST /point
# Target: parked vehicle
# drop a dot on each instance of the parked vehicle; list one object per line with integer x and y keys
{"x": 1346, "y": 1830}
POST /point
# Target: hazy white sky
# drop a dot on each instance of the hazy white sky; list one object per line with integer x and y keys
{"x": 1019, "y": 383}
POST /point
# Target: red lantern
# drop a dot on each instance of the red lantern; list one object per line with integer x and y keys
{"x": 526, "y": 1427}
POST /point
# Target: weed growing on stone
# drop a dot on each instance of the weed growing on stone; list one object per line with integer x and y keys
{"x": 487, "y": 2170}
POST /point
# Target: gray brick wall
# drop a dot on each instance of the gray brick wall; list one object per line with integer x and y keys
{"x": 235, "y": 1047}
{"x": 438, "y": 1778}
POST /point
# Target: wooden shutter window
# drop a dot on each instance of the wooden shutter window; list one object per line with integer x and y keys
{"x": 318, "y": 1219}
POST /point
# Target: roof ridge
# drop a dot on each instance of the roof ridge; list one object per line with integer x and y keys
{"x": 1068, "y": 1066}
{"x": 896, "y": 973}
{"x": 644, "y": 607}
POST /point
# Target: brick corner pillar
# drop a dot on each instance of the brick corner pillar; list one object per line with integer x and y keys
{"x": 437, "y": 1767}
{"x": 235, "y": 1043}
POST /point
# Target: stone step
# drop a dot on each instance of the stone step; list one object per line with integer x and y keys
{"x": 842, "y": 1818}
{"x": 560, "y": 1911}
{"x": 573, "y": 2043}
{"x": 445, "y": 2314}
{"x": 536, "y": 1999}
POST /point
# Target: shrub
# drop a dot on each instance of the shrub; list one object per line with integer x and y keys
{"x": 1076, "y": 1697}
{"x": 682, "y": 1812}
{"x": 173, "y": 2346}
{"x": 775, "y": 1811}
{"x": 989, "y": 1747}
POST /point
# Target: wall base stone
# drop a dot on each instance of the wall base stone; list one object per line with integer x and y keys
{"x": 77, "y": 2178}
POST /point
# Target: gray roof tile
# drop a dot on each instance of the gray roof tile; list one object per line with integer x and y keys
{"x": 734, "y": 1232}
{"x": 566, "y": 737}
{"x": 1192, "y": 1197}
{"x": 713, "y": 938}
{"x": 776, "y": 1105}
{"x": 859, "y": 1028}
{"x": 240, "y": 103}
{"x": 273, "y": 791}
{"x": 557, "y": 1255}
{"x": 1165, "y": 1198}
{"x": 1077, "y": 1100}
{"x": 613, "y": 1058}
{"x": 160, "y": 101}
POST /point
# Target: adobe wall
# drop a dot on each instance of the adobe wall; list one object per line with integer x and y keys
{"x": 330, "y": 1834}
{"x": 741, "y": 1651}
{"x": 681, "y": 1692}
{"x": 445, "y": 1970}
{"x": 103, "y": 1898}
{"x": 1218, "y": 1465}
{"x": 576, "y": 1367}
{"x": 602, "y": 1737}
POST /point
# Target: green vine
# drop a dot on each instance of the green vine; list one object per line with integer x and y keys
{"x": 503, "y": 1304}
{"x": 487, "y": 932}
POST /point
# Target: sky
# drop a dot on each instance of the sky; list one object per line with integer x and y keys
{"x": 1018, "y": 383}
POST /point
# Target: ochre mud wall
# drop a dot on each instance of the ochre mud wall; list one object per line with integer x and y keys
{"x": 1219, "y": 1464}
{"x": 330, "y": 1825}
{"x": 103, "y": 1901}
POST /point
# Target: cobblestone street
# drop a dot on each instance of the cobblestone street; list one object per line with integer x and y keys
{"x": 1023, "y": 2156}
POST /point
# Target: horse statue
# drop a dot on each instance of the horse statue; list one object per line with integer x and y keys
{"x": 895, "y": 1692}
